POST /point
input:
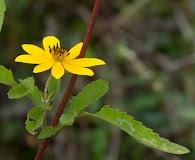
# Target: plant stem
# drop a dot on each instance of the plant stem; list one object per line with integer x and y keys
{"x": 45, "y": 101}
{"x": 72, "y": 81}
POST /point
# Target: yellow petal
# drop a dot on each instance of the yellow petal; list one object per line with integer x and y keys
{"x": 57, "y": 70}
{"x": 85, "y": 62}
{"x": 75, "y": 51}
{"x": 43, "y": 67}
{"x": 29, "y": 59}
{"x": 78, "y": 70}
{"x": 50, "y": 41}
{"x": 32, "y": 49}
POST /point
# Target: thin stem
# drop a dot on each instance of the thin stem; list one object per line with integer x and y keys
{"x": 46, "y": 89}
{"x": 45, "y": 94}
{"x": 72, "y": 81}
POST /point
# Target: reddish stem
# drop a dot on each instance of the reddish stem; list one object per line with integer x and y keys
{"x": 72, "y": 81}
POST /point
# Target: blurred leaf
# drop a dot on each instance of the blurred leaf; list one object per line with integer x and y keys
{"x": 2, "y": 10}
{"x": 10, "y": 130}
{"x": 145, "y": 101}
{"x": 47, "y": 132}
{"x": 34, "y": 120}
{"x": 17, "y": 92}
{"x": 53, "y": 87}
{"x": 100, "y": 137}
{"x": 6, "y": 76}
{"x": 186, "y": 114}
{"x": 90, "y": 93}
{"x": 137, "y": 130}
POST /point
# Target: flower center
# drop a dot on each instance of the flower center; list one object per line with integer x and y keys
{"x": 58, "y": 52}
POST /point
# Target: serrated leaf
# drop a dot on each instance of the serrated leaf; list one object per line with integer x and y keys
{"x": 66, "y": 119}
{"x": 28, "y": 83}
{"x": 47, "y": 132}
{"x": 90, "y": 93}
{"x": 2, "y": 10}
{"x": 53, "y": 88}
{"x": 137, "y": 130}
{"x": 17, "y": 92}
{"x": 6, "y": 76}
{"x": 35, "y": 118}
{"x": 25, "y": 88}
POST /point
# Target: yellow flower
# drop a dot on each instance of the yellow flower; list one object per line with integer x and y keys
{"x": 57, "y": 58}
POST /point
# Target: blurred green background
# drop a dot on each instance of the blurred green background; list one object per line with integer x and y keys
{"x": 149, "y": 48}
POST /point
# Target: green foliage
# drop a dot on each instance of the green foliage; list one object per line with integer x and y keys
{"x": 2, "y": 10}
{"x": 17, "y": 92}
{"x": 35, "y": 118}
{"x": 36, "y": 97}
{"x": 163, "y": 46}
{"x": 28, "y": 83}
{"x": 6, "y": 76}
{"x": 47, "y": 132}
{"x": 25, "y": 87}
{"x": 88, "y": 95}
{"x": 137, "y": 130}
{"x": 66, "y": 119}
{"x": 53, "y": 88}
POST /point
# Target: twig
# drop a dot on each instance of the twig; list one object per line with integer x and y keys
{"x": 72, "y": 81}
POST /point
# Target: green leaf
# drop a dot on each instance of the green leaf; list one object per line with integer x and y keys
{"x": 17, "y": 92}
{"x": 137, "y": 130}
{"x": 90, "y": 93}
{"x": 25, "y": 88}
{"x": 37, "y": 97}
{"x": 53, "y": 88}
{"x": 34, "y": 120}
{"x": 66, "y": 119}
{"x": 47, "y": 132}
{"x": 30, "y": 126}
{"x": 28, "y": 83}
{"x": 6, "y": 76}
{"x": 2, "y": 10}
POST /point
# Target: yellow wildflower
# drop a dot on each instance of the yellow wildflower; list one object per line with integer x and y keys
{"x": 57, "y": 58}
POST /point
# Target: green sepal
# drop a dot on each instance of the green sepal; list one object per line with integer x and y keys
{"x": 47, "y": 132}
{"x": 137, "y": 130}
{"x": 6, "y": 76}
{"x": 35, "y": 118}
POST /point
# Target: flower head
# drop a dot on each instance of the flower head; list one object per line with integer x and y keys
{"x": 58, "y": 59}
